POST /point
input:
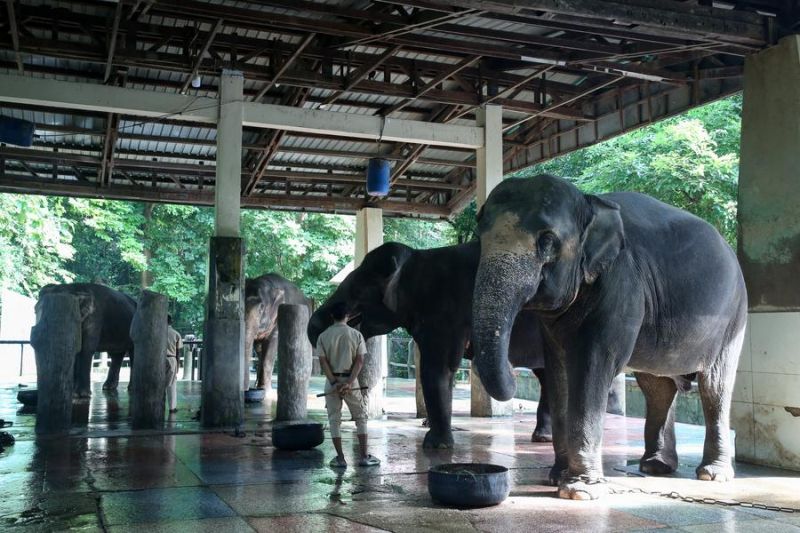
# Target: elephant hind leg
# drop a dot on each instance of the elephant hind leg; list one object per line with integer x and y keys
{"x": 544, "y": 429}
{"x": 660, "y": 456}
{"x": 113, "y": 371}
{"x": 716, "y": 388}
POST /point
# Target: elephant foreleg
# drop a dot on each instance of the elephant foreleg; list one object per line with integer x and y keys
{"x": 82, "y": 374}
{"x": 112, "y": 380}
{"x": 659, "y": 456}
{"x": 544, "y": 429}
{"x": 267, "y": 352}
{"x": 437, "y": 389}
{"x": 556, "y": 390}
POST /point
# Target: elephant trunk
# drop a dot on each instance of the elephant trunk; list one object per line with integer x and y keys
{"x": 504, "y": 282}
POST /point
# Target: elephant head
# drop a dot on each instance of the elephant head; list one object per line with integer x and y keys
{"x": 541, "y": 241}
{"x": 370, "y": 292}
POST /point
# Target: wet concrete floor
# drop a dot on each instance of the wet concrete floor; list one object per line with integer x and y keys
{"x": 105, "y": 477}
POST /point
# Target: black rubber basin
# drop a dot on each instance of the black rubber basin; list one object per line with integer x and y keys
{"x": 28, "y": 397}
{"x": 468, "y": 484}
{"x": 297, "y": 435}
{"x": 254, "y": 395}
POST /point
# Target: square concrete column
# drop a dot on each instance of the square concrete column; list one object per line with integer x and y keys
{"x": 222, "y": 395}
{"x": 369, "y": 235}
{"x": 489, "y": 170}
{"x": 766, "y": 409}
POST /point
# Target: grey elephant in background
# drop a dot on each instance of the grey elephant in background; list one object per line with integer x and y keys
{"x": 263, "y": 296}
{"x": 106, "y": 316}
{"x": 618, "y": 280}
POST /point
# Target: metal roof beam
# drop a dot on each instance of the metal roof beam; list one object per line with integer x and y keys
{"x": 137, "y": 102}
{"x": 12, "y": 24}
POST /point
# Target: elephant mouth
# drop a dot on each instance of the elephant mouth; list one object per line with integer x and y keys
{"x": 355, "y": 320}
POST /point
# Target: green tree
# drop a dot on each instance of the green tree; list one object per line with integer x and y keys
{"x": 690, "y": 161}
{"x": 35, "y": 242}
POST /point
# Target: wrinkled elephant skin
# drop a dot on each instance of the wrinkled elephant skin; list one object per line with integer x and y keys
{"x": 106, "y": 322}
{"x": 618, "y": 281}
{"x": 263, "y": 296}
{"x": 429, "y": 293}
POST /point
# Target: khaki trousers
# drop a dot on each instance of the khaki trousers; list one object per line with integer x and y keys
{"x": 356, "y": 403}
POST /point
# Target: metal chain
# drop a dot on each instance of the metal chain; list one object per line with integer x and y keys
{"x": 673, "y": 495}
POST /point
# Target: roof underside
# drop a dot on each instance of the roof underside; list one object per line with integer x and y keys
{"x": 568, "y": 74}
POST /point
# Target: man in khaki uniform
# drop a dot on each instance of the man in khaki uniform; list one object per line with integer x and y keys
{"x": 341, "y": 350}
{"x": 174, "y": 344}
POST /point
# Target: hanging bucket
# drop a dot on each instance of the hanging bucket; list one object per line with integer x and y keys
{"x": 16, "y": 131}
{"x": 378, "y": 175}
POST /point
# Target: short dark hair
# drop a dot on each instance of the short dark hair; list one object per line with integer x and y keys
{"x": 339, "y": 310}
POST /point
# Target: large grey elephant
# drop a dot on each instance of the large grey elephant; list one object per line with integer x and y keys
{"x": 429, "y": 292}
{"x": 618, "y": 280}
{"x": 106, "y": 316}
{"x": 263, "y": 296}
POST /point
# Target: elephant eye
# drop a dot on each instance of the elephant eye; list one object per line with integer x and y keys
{"x": 547, "y": 243}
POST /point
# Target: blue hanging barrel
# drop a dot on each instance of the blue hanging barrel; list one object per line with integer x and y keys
{"x": 378, "y": 174}
{"x": 16, "y": 131}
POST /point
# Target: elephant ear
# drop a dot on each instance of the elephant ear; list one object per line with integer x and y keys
{"x": 603, "y": 238}
{"x": 390, "y": 293}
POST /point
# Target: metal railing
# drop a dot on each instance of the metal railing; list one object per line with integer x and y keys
{"x": 22, "y": 344}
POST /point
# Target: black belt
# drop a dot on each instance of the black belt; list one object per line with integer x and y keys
{"x": 341, "y": 374}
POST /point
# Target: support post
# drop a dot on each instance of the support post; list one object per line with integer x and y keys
{"x": 227, "y": 189}
{"x": 223, "y": 341}
{"x": 765, "y": 411}
{"x": 221, "y": 368}
{"x": 187, "y": 362}
{"x": 294, "y": 354}
{"x": 369, "y": 235}
{"x": 422, "y": 411}
{"x": 148, "y": 380}
{"x": 489, "y": 173}
{"x": 56, "y": 338}
{"x": 616, "y": 396}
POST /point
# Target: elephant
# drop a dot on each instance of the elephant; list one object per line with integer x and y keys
{"x": 429, "y": 292}
{"x": 106, "y": 316}
{"x": 263, "y": 296}
{"x": 618, "y": 280}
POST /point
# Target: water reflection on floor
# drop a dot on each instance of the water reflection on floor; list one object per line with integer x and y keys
{"x": 106, "y": 477}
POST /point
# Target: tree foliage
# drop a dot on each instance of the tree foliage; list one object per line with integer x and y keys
{"x": 690, "y": 161}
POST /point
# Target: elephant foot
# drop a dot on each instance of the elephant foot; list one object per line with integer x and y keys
{"x": 717, "y": 471}
{"x": 557, "y": 472}
{"x": 582, "y": 488}
{"x": 542, "y": 435}
{"x": 438, "y": 440}
{"x": 81, "y": 394}
{"x": 658, "y": 465}
{"x": 108, "y": 385}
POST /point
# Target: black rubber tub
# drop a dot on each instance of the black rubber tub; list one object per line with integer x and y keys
{"x": 297, "y": 435}
{"x": 254, "y": 395}
{"x": 28, "y": 397}
{"x": 468, "y": 484}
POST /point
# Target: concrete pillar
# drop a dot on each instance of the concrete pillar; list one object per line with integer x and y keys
{"x": 148, "y": 379}
{"x": 221, "y": 371}
{"x": 223, "y": 347}
{"x": 227, "y": 189}
{"x": 187, "y": 362}
{"x": 766, "y": 409}
{"x": 489, "y": 170}
{"x": 56, "y": 338}
{"x": 422, "y": 411}
{"x": 294, "y": 354}
{"x": 369, "y": 235}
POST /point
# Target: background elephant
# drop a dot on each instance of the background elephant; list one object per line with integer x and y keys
{"x": 617, "y": 280}
{"x": 106, "y": 316}
{"x": 429, "y": 292}
{"x": 263, "y": 295}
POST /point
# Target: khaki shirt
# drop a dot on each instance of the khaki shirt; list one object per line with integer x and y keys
{"x": 340, "y": 344}
{"x": 174, "y": 342}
